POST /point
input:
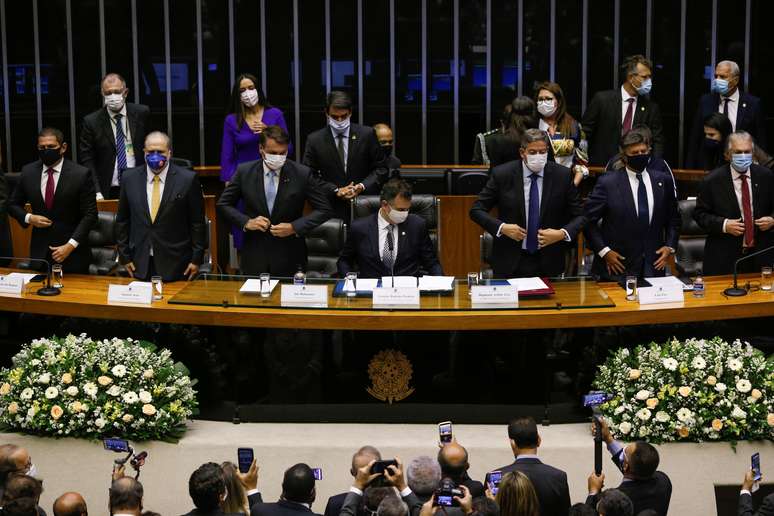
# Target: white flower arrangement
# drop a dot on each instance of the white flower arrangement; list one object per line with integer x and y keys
{"x": 694, "y": 390}
{"x": 84, "y": 388}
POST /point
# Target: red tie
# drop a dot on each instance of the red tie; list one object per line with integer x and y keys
{"x": 749, "y": 229}
{"x": 50, "y": 189}
{"x": 627, "y": 122}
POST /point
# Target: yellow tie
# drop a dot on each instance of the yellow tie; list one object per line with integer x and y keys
{"x": 155, "y": 198}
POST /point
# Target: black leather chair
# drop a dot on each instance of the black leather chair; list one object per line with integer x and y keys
{"x": 324, "y": 244}
{"x": 690, "y": 248}
{"x": 485, "y": 251}
{"x": 470, "y": 183}
{"x": 102, "y": 239}
{"x": 181, "y": 162}
{"x": 425, "y": 205}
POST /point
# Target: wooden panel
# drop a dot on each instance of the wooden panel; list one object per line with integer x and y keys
{"x": 459, "y": 235}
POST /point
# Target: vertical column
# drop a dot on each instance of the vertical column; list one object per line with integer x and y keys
{"x": 360, "y": 102}
{"x": 585, "y": 56}
{"x": 200, "y": 78}
{"x": 648, "y": 28}
{"x": 392, "y": 73}
{"x": 489, "y": 63}
{"x": 616, "y": 41}
{"x": 71, "y": 78}
{"x": 681, "y": 128}
{"x": 456, "y": 79}
{"x": 328, "y": 86}
{"x": 263, "y": 48}
{"x": 36, "y": 34}
{"x": 747, "y": 26}
{"x": 135, "y": 53}
{"x": 296, "y": 82}
{"x": 425, "y": 71}
{"x": 6, "y": 101}
{"x": 231, "y": 43}
{"x": 552, "y": 43}
{"x": 102, "y": 49}
{"x": 168, "y": 68}
{"x": 519, "y": 48}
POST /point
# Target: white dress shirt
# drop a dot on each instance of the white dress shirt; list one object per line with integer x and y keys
{"x": 130, "y": 161}
{"x": 625, "y": 105}
{"x": 634, "y": 184}
{"x": 43, "y": 182}
{"x": 149, "y": 188}
{"x": 736, "y": 179}
{"x": 384, "y": 224}
{"x": 733, "y": 107}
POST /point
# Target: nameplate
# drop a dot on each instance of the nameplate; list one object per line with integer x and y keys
{"x": 390, "y": 297}
{"x": 315, "y": 296}
{"x": 494, "y": 295}
{"x": 138, "y": 293}
{"x": 660, "y": 294}
{"x": 11, "y": 284}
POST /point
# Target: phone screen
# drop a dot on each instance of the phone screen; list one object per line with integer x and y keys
{"x": 494, "y": 481}
{"x": 755, "y": 461}
{"x": 317, "y": 472}
{"x": 116, "y": 445}
{"x": 443, "y": 500}
{"x": 245, "y": 458}
{"x": 445, "y": 432}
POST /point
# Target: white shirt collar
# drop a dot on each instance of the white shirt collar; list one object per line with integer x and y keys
{"x": 57, "y": 168}
{"x": 336, "y": 134}
{"x": 734, "y": 97}
{"x": 527, "y": 456}
{"x": 266, "y": 169}
{"x": 633, "y": 174}
{"x": 162, "y": 175}
{"x": 383, "y": 222}
{"x": 528, "y": 171}
{"x": 625, "y": 95}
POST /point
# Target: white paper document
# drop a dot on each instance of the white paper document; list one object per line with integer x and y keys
{"x": 361, "y": 285}
{"x": 253, "y": 286}
{"x": 399, "y": 281}
{"x": 528, "y": 284}
{"x": 668, "y": 281}
{"x": 24, "y": 276}
{"x": 436, "y": 283}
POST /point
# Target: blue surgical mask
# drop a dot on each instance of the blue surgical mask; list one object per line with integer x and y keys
{"x": 741, "y": 162}
{"x": 719, "y": 86}
{"x": 645, "y": 87}
{"x": 155, "y": 160}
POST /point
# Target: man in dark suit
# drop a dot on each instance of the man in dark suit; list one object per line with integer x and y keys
{"x": 111, "y": 137}
{"x": 386, "y": 142}
{"x": 423, "y": 476}
{"x": 633, "y": 222}
{"x": 126, "y": 496}
{"x": 64, "y": 208}
{"x": 365, "y": 480}
{"x": 613, "y": 113}
{"x": 298, "y": 494}
{"x": 346, "y": 155}
{"x": 550, "y": 483}
{"x": 363, "y": 456}
{"x": 453, "y": 459}
{"x": 274, "y": 192}
{"x": 207, "y": 488}
{"x": 746, "y": 501}
{"x": 539, "y": 212}
{"x": 160, "y": 221}
{"x": 390, "y": 242}
{"x": 745, "y": 111}
{"x": 735, "y": 206}
{"x": 647, "y": 487}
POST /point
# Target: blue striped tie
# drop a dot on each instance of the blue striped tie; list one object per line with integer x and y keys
{"x": 120, "y": 146}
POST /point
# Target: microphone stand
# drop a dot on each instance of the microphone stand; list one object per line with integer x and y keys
{"x": 737, "y": 291}
{"x": 48, "y": 290}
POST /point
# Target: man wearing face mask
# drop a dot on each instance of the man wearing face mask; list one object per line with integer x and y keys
{"x": 745, "y": 111}
{"x": 735, "y": 206}
{"x": 404, "y": 246}
{"x": 111, "y": 137}
{"x": 160, "y": 227}
{"x": 64, "y": 208}
{"x": 274, "y": 190}
{"x": 540, "y": 212}
{"x": 633, "y": 222}
{"x": 346, "y": 155}
{"x": 613, "y": 113}
{"x": 14, "y": 460}
{"x": 386, "y": 141}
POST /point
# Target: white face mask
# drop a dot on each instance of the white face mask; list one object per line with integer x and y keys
{"x": 32, "y": 471}
{"x": 536, "y": 162}
{"x": 337, "y": 126}
{"x": 546, "y": 107}
{"x": 249, "y": 97}
{"x": 274, "y": 161}
{"x": 397, "y": 217}
{"x": 114, "y": 102}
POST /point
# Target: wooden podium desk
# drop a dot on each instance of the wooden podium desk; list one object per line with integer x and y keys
{"x": 86, "y": 296}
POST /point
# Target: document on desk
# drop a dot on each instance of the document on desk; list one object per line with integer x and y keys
{"x": 399, "y": 281}
{"x": 24, "y": 276}
{"x": 436, "y": 283}
{"x": 253, "y": 286}
{"x": 668, "y": 281}
{"x": 528, "y": 284}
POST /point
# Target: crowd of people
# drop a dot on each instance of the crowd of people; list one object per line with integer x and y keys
{"x": 424, "y": 486}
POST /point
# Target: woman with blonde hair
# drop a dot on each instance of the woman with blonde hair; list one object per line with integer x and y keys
{"x": 516, "y": 496}
{"x": 236, "y": 499}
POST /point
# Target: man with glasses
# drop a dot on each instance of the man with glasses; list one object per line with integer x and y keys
{"x": 64, "y": 207}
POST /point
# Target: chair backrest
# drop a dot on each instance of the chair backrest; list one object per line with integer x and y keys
{"x": 486, "y": 241}
{"x": 102, "y": 240}
{"x": 324, "y": 244}
{"x": 425, "y": 205}
{"x": 689, "y": 225}
{"x": 689, "y": 258}
{"x": 470, "y": 183}
{"x": 181, "y": 162}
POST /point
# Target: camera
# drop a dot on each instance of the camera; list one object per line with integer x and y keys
{"x": 136, "y": 460}
{"x": 444, "y": 495}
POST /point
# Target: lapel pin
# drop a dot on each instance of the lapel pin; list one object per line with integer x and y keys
{"x": 744, "y": 105}
{"x": 659, "y": 183}
{"x": 642, "y": 108}
{"x": 354, "y": 137}
{"x": 403, "y": 233}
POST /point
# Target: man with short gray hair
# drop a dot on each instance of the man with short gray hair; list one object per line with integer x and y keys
{"x": 424, "y": 476}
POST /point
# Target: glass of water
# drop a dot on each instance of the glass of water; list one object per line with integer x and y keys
{"x": 350, "y": 284}
{"x": 265, "y": 284}
{"x": 631, "y": 288}
{"x": 472, "y": 281}
{"x": 766, "y": 278}
{"x": 157, "y": 287}
{"x": 56, "y": 276}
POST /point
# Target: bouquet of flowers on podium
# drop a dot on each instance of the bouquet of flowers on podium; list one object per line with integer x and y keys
{"x": 79, "y": 387}
{"x": 693, "y": 390}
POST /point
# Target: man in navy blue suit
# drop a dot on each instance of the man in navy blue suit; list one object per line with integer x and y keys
{"x": 744, "y": 110}
{"x": 633, "y": 219}
{"x": 391, "y": 241}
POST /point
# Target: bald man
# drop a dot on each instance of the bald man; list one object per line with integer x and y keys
{"x": 361, "y": 458}
{"x": 453, "y": 459}
{"x": 70, "y": 504}
{"x": 386, "y": 142}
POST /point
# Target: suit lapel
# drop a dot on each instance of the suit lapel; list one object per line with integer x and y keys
{"x": 657, "y": 185}
{"x": 285, "y": 177}
{"x": 169, "y": 190}
{"x": 354, "y": 138}
{"x": 402, "y": 238}
{"x": 728, "y": 189}
{"x": 132, "y": 122}
{"x": 333, "y": 150}
{"x": 37, "y": 178}
{"x": 61, "y": 185}
{"x": 545, "y": 197}
{"x": 741, "y": 111}
{"x": 518, "y": 180}
{"x": 107, "y": 126}
{"x": 373, "y": 235}
{"x": 641, "y": 109}
{"x": 755, "y": 182}
{"x": 625, "y": 192}
{"x": 263, "y": 206}
{"x": 142, "y": 193}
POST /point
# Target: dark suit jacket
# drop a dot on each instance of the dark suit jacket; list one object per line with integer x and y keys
{"x": 280, "y": 508}
{"x": 365, "y": 162}
{"x": 550, "y": 484}
{"x": 717, "y": 201}
{"x": 415, "y": 250}
{"x": 178, "y": 235}
{"x": 749, "y": 117}
{"x": 263, "y": 252}
{"x": 73, "y": 215}
{"x": 475, "y": 487}
{"x": 560, "y": 208}
{"x": 602, "y": 124}
{"x": 611, "y": 221}
{"x": 97, "y": 145}
{"x": 335, "y": 502}
{"x": 746, "y": 506}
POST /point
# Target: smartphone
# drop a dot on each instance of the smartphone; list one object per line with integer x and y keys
{"x": 755, "y": 462}
{"x": 380, "y": 465}
{"x": 116, "y": 445}
{"x": 444, "y": 501}
{"x": 245, "y": 458}
{"x": 493, "y": 481}
{"x": 445, "y": 432}
{"x": 317, "y": 472}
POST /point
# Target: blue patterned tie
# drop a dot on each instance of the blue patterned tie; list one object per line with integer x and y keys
{"x": 533, "y": 220}
{"x": 642, "y": 204}
{"x": 120, "y": 146}
{"x": 271, "y": 190}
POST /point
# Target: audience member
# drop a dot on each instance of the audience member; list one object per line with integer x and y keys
{"x": 485, "y": 506}
{"x": 298, "y": 494}
{"x": 109, "y": 136}
{"x": 207, "y": 488}
{"x": 21, "y": 487}
{"x": 614, "y": 502}
{"x": 393, "y": 476}
{"x": 717, "y": 128}
{"x": 387, "y": 142}
{"x": 392, "y": 506}
{"x": 71, "y": 504}
{"x": 360, "y": 458}
{"x": 236, "y": 491}
{"x": 655, "y": 162}
{"x": 501, "y": 145}
{"x": 126, "y": 496}
{"x": 516, "y": 496}
{"x": 746, "y": 501}
{"x": 423, "y": 476}
{"x": 453, "y": 459}
{"x": 581, "y": 509}
{"x": 14, "y": 460}
{"x": 21, "y": 507}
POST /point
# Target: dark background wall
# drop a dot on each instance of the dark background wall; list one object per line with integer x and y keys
{"x": 438, "y": 70}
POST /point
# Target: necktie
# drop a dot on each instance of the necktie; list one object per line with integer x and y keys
{"x": 642, "y": 204}
{"x": 120, "y": 146}
{"x": 50, "y": 189}
{"x": 155, "y": 197}
{"x": 271, "y": 190}
{"x": 749, "y": 229}
{"x": 628, "y": 117}
{"x": 388, "y": 252}
{"x": 725, "y": 105}
{"x": 533, "y": 220}
{"x": 340, "y": 148}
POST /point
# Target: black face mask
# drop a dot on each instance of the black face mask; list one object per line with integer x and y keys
{"x": 711, "y": 144}
{"x": 387, "y": 149}
{"x": 638, "y": 163}
{"x": 49, "y": 156}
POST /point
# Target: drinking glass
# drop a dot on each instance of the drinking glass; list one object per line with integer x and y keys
{"x": 766, "y": 278}
{"x": 157, "y": 287}
{"x": 631, "y": 288}
{"x": 265, "y": 284}
{"x": 350, "y": 284}
{"x": 56, "y": 276}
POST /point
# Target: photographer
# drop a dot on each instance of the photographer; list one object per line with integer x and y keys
{"x": 463, "y": 504}
{"x": 516, "y": 496}
{"x": 125, "y": 498}
{"x": 453, "y": 458}
{"x": 14, "y": 459}
{"x": 360, "y": 458}
{"x": 424, "y": 476}
{"x": 393, "y": 476}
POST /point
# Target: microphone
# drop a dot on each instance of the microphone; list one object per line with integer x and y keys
{"x": 48, "y": 290}
{"x": 737, "y": 291}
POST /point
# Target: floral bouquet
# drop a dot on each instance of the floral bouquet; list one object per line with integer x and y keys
{"x": 79, "y": 387}
{"x": 695, "y": 390}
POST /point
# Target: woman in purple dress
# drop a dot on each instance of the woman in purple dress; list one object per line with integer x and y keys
{"x": 250, "y": 113}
